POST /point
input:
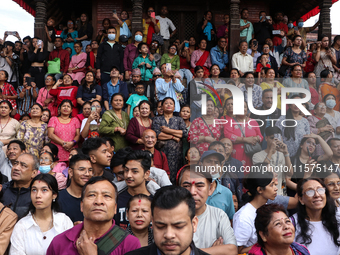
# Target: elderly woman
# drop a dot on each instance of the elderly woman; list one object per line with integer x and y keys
{"x": 64, "y": 90}
{"x": 170, "y": 130}
{"x": 8, "y": 126}
{"x": 271, "y": 83}
{"x": 320, "y": 125}
{"x": 275, "y": 232}
{"x": 115, "y": 122}
{"x": 315, "y": 222}
{"x": 294, "y": 55}
{"x": 203, "y": 131}
{"x": 256, "y": 89}
{"x": 201, "y": 57}
{"x": 240, "y": 134}
{"x": 76, "y": 69}
{"x": 89, "y": 90}
{"x": 44, "y": 98}
{"x": 293, "y": 131}
{"x": 64, "y": 131}
{"x": 296, "y": 81}
{"x": 33, "y": 132}
{"x": 138, "y": 125}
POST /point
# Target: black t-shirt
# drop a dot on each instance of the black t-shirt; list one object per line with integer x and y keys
{"x": 120, "y": 217}
{"x": 107, "y": 174}
{"x": 70, "y": 206}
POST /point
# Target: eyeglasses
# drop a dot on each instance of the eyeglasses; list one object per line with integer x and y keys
{"x": 172, "y": 48}
{"x": 69, "y": 22}
{"x": 157, "y": 75}
{"x": 150, "y": 10}
{"x": 332, "y": 184}
{"x": 310, "y": 143}
{"x": 265, "y": 48}
{"x": 322, "y": 106}
{"x": 97, "y": 106}
{"x": 48, "y": 79}
{"x": 46, "y": 160}
{"x": 311, "y": 192}
{"x": 223, "y": 41}
{"x": 156, "y": 44}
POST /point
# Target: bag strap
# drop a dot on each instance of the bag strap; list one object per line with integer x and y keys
{"x": 240, "y": 128}
{"x": 3, "y": 208}
{"x": 208, "y": 128}
{"x": 111, "y": 240}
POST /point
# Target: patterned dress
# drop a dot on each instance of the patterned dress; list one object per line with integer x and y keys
{"x": 199, "y": 128}
{"x": 172, "y": 149}
{"x": 33, "y": 137}
{"x": 293, "y": 57}
{"x": 66, "y": 132}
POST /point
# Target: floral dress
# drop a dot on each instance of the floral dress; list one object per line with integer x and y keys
{"x": 33, "y": 137}
{"x": 172, "y": 149}
{"x": 199, "y": 128}
{"x": 66, "y": 132}
{"x": 293, "y": 57}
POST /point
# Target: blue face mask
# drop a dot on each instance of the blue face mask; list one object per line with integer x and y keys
{"x": 300, "y": 24}
{"x": 123, "y": 46}
{"x": 290, "y": 25}
{"x": 45, "y": 169}
{"x": 111, "y": 36}
{"x": 261, "y": 18}
{"x": 138, "y": 38}
{"x": 330, "y": 103}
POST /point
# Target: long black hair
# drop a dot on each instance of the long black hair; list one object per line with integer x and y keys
{"x": 52, "y": 184}
{"x": 328, "y": 217}
{"x": 289, "y": 131}
{"x": 64, "y": 102}
{"x": 92, "y": 86}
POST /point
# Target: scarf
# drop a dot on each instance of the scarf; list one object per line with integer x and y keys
{"x": 207, "y": 31}
{"x": 298, "y": 249}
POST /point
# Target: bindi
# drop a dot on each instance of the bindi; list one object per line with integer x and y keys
{"x": 139, "y": 202}
{"x": 193, "y": 183}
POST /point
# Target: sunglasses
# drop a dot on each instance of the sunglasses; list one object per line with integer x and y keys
{"x": 157, "y": 75}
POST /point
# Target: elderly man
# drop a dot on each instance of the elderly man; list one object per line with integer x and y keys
{"x": 219, "y": 56}
{"x": 16, "y": 193}
{"x": 241, "y": 60}
{"x": 98, "y": 234}
{"x": 173, "y": 211}
{"x": 159, "y": 158}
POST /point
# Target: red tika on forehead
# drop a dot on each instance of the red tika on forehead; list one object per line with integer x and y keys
{"x": 193, "y": 183}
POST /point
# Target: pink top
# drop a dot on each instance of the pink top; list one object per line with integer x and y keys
{"x": 79, "y": 61}
{"x": 196, "y": 55}
{"x": 66, "y": 132}
{"x": 42, "y": 96}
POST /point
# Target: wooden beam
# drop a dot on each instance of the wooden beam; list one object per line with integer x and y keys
{"x": 234, "y": 32}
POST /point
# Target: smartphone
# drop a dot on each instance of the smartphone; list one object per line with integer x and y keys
{"x": 278, "y": 136}
{"x": 11, "y": 32}
{"x": 93, "y": 109}
{"x": 276, "y": 32}
{"x": 309, "y": 154}
{"x": 114, "y": 11}
{"x": 168, "y": 67}
{"x": 326, "y": 48}
{"x": 39, "y": 43}
{"x": 29, "y": 81}
{"x": 186, "y": 45}
{"x": 268, "y": 17}
{"x": 153, "y": 15}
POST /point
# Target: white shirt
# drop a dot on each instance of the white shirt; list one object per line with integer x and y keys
{"x": 322, "y": 241}
{"x": 83, "y": 123}
{"x": 244, "y": 227}
{"x": 5, "y": 163}
{"x": 243, "y": 63}
{"x": 27, "y": 238}
{"x": 165, "y": 25}
{"x": 212, "y": 224}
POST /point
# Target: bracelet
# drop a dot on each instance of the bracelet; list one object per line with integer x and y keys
{"x": 267, "y": 158}
{"x": 172, "y": 137}
{"x": 64, "y": 143}
{"x": 286, "y": 155}
{"x": 74, "y": 141}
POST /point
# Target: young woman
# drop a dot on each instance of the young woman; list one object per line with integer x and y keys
{"x": 76, "y": 69}
{"x": 33, "y": 132}
{"x": 33, "y": 234}
{"x": 47, "y": 162}
{"x": 44, "y": 98}
{"x": 64, "y": 131}
{"x": 7, "y": 91}
{"x": 185, "y": 115}
{"x": 115, "y": 122}
{"x": 138, "y": 212}
{"x": 315, "y": 222}
{"x": 138, "y": 125}
{"x": 150, "y": 26}
{"x": 311, "y": 78}
{"x": 192, "y": 156}
{"x": 206, "y": 30}
{"x": 90, "y": 126}
{"x": 85, "y": 31}
{"x": 124, "y": 24}
{"x": 324, "y": 56}
{"x": 195, "y": 91}
{"x": 89, "y": 90}
{"x": 102, "y": 34}
{"x": 261, "y": 187}
{"x": 8, "y": 126}
{"x": 92, "y": 57}
{"x": 69, "y": 36}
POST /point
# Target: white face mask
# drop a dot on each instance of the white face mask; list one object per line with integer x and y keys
{"x": 215, "y": 176}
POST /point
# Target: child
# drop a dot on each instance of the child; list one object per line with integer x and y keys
{"x": 143, "y": 62}
{"x": 136, "y": 112}
{"x": 259, "y": 67}
{"x": 134, "y": 99}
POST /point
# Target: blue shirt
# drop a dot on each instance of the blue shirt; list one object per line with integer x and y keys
{"x": 112, "y": 90}
{"x": 217, "y": 57}
{"x": 169, "y": 90}
{"x": 222, "y": 198}
{"x": 134, "y": 100}
{"x": 87, "y": 95}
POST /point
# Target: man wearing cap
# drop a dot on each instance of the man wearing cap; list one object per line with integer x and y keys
{"x": 123, "y": 41}
{"x": 112, "y": 87}
{"x": 221, "y": 196}
{"x": 110, "y": 53}
{"x": 214, "y": 233}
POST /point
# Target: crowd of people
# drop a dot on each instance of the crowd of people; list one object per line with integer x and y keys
{"x": 100, "y": 140}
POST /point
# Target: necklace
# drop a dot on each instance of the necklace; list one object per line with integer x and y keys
{"x": 3, "y": 127}
{"x": 141, "y": 120}
{"x": 49, "y": 227}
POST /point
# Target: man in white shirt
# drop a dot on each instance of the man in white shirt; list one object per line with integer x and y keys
{"x": 214, "y": 234}
{"x": 166, "y": 24}
{"x": 242, "y": 60}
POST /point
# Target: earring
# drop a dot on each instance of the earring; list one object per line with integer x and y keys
{"x": 53, "y": 200}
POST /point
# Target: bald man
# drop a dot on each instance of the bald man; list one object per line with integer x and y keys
{"x": 159, "y": 159}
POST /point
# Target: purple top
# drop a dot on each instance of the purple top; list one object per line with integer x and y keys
{"x": 221, "y": 30}
{"x": 130, "y": 53}
{"x": 65, "y": 243}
